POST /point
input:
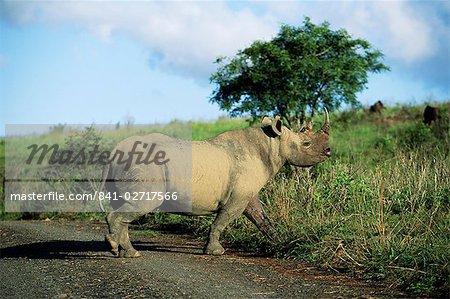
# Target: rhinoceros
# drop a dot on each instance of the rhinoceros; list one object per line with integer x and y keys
{"x": 430, "y": 114}
{"x": 226, "y": 173}
{"x": 377, "y": 107}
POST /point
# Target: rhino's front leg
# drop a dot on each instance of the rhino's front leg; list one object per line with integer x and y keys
{"x": 232, "y": 210}
{"x": 254, "y": 212}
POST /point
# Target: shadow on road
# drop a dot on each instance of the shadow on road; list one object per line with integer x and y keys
{"x": 80, "y": 249}
{"x": 54, "y": 250}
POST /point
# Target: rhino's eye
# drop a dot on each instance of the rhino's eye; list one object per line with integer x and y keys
{"x": 307, "y": 143}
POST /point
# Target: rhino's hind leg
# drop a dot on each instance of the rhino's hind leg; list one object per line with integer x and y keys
{"x": 111, "y": 238}
{"x": 112, "y": 243}
{"x": 118, "y": 239}
{"x": 125, "y": 247}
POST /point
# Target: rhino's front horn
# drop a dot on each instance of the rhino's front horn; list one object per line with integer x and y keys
{"x": 326, "y": 125}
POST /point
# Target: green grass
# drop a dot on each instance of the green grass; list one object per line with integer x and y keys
{"x": 379, "y": 209}
{"x": 202, "y": 130}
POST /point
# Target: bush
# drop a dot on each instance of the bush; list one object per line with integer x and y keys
{"x": 415, "y": 136}
{"x": 385, "y": 143}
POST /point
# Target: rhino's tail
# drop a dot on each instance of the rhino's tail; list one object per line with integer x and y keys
{"x": 105, "y": 175}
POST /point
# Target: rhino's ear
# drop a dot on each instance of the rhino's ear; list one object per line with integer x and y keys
{"x": 277, "y": 125}
{"x": 272, "y": 127}
{"x": 266, "y": 121}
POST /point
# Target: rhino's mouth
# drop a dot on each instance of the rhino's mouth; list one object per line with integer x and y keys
{"x": 327, "y": 152}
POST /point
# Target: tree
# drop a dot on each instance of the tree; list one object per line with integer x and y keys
{"x": 302, "y": 69}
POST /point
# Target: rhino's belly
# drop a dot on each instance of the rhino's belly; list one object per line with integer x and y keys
{"x": 192, "y": 199}
{"x": 206, "y": 198}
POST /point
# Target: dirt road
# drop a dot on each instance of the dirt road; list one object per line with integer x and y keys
{"x": 65, "y": 259}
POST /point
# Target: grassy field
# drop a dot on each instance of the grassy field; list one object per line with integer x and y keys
{"x": 379, "y": 209}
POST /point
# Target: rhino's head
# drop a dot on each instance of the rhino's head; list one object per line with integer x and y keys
{"x": 305, "y": 148}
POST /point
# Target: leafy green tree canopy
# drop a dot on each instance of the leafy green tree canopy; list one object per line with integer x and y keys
{"x": 302, "y": 69}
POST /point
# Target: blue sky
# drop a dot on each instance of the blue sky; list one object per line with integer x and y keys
{"x": 104, "y": 62}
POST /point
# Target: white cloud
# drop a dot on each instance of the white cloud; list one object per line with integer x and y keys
{"x": 187, "y": 35}
{"x": 403, "y": 33}
{"x": 403, "y": 30}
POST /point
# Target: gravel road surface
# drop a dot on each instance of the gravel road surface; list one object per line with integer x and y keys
{"x": 67, "y": 259}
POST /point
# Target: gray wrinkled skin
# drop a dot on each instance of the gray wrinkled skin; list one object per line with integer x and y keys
{"x": 226, "y": 173}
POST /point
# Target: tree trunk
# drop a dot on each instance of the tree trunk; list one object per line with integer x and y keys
{"x": 313, "y": 109}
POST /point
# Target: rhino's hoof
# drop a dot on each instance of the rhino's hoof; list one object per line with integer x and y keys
{"x": 214, "y": 250}
{"x": 113, "y": 246}
{"x": 131, "y": 253}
